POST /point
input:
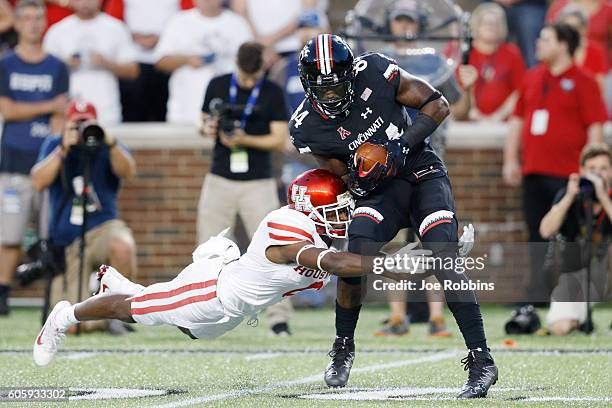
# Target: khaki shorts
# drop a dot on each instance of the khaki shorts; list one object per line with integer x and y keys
{"x": 19, "y": 206}
{"x": 66, "y": 286}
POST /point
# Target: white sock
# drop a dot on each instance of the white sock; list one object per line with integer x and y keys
{"x": 65, "y": 317}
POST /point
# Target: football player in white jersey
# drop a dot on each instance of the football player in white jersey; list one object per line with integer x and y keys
{"x": 290, "y": 252}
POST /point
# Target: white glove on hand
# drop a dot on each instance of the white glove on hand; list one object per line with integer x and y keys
{"x": 409, "y": 260}
{"x": 466, "y": 242}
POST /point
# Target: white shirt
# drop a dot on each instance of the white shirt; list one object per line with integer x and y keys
{"x": 142, "y": 18}
{"x": 253, "y": 283}
{"x": 102, "y": 34}
{"x": 269, "y": 16}
{"x": 191, "y": 33}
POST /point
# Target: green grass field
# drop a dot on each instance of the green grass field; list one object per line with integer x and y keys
{"x": 249, "y": 367}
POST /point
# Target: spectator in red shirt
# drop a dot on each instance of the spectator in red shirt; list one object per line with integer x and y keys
{"x": 599, "y": 13}
{"x": 589, "y": 55}
{"x": 500, "y": 65}
{"x": 560, "y": 109}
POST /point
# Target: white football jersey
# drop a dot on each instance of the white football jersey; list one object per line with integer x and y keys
{"x": 253, "y": 283}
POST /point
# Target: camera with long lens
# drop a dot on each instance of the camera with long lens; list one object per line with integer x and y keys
{"x": 524, "y": 320}
{"x": 47, "y": 260}
{"x": 227, "y": 114}
{"x": 91, "y": 136}
{"x": 587, "y": 189}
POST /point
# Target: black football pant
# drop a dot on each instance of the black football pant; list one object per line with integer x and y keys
{"x": 538, "y": 195}
{"x": 428, "y": 206}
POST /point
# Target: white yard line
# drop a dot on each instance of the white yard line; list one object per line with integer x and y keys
{"x": 305, "y": 380}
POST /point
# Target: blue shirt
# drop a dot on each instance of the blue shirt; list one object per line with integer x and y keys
{"x": 25, "y": 82}
{"x": 105, "y": 185}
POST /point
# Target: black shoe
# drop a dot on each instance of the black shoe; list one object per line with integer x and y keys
{"x": 4, "y": 307}
{"x": 281, "y": 329}
{"x": 482, "y": 374}
{"x": 342, "y": 355}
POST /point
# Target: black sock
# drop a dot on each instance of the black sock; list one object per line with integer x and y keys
{"x": 4, "y": 291}
{"x": 469, "y": 320}
{"x": 346, "y": 321}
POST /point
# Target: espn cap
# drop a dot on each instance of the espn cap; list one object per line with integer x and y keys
{"x": 80, "y": 110}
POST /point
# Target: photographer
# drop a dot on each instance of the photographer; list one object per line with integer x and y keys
{"x": 586, "y": 197}
{"x": 66, "y": 165}
{"x": 247, "y": 117}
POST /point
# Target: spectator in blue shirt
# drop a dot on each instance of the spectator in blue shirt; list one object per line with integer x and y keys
{"x": 33, "y": 88}
{"x": 61, "y": 167}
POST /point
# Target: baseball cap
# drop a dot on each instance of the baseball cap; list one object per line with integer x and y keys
{"x": 405, "y": 8}
{"x": 80, "y": 110}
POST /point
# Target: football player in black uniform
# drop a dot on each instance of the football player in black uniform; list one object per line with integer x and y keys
{"x": 351, "y": 101}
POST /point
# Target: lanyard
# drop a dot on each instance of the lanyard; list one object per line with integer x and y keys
{"x": 251, "y": 101}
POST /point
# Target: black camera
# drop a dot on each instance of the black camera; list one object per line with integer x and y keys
{"x": 524, "y": 320}
{"x": 47, "y": 259}
{"x": 587, "y": 189}
{"x": 228, "y": 115}
{"x": 91, "y": 136}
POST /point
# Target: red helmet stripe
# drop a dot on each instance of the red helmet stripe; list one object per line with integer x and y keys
{"x": 317, "y": 53}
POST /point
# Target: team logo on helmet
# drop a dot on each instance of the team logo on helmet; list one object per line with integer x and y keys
{"x": 300, "y": 199}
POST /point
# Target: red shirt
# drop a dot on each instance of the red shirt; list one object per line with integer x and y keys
{"x": 595, "y": 60}
{"x": 499, "y": 74}
{"x": 599, "y": 27}
{"x": 574, "y": 102}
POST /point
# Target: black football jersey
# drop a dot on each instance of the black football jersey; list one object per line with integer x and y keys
{"x": 374, "y": 115}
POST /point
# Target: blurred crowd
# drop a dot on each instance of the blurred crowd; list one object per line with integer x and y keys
{"x": 183, "y": 61}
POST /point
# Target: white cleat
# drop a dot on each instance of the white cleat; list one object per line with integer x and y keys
{"x": 50, "y": 337}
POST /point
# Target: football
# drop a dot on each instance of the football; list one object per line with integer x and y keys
{"x": 370, "y": 154}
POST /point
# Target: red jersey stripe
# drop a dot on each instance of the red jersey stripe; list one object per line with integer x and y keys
{"x": 175, "y": 292}
{"x": 285, "y": 238}
{"x": 289, "y": 228}
{"x": 445, "y": 221}
{"x": 175, "y": 305}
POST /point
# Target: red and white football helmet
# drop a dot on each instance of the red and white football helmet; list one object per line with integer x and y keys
{"x": 324, "y": 198}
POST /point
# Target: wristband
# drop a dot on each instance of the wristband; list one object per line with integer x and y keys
{"x": 321, "y": 255}
{"x": 302, "y": 249}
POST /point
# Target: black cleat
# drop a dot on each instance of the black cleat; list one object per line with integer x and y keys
{"x": 482, "y": 374}
{"x": 339, "y": 368}
{"x": 281, "y": 329}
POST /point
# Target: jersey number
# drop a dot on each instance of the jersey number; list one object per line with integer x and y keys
{"x": 316, "y": 285}
{"x": 298, "y": 117}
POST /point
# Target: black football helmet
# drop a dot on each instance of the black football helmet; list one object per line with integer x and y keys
{"x": 326, "y": 72}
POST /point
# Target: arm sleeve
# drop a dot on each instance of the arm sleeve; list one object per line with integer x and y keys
{"x": 47, "y": 147}
{"x": 211, "y": 93}
{"x": 168, "y": 41}
{"x": 518, "y": 67}
{"x": 126, "y": 49}
{"x": 286, "y": 227}
{"x": 592, "y": 106}
{"x": 383, "y": 71}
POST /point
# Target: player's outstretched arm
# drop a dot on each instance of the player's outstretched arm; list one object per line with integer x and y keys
{"x": 433, "y": 107}
{"x": 343, "y": 264}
